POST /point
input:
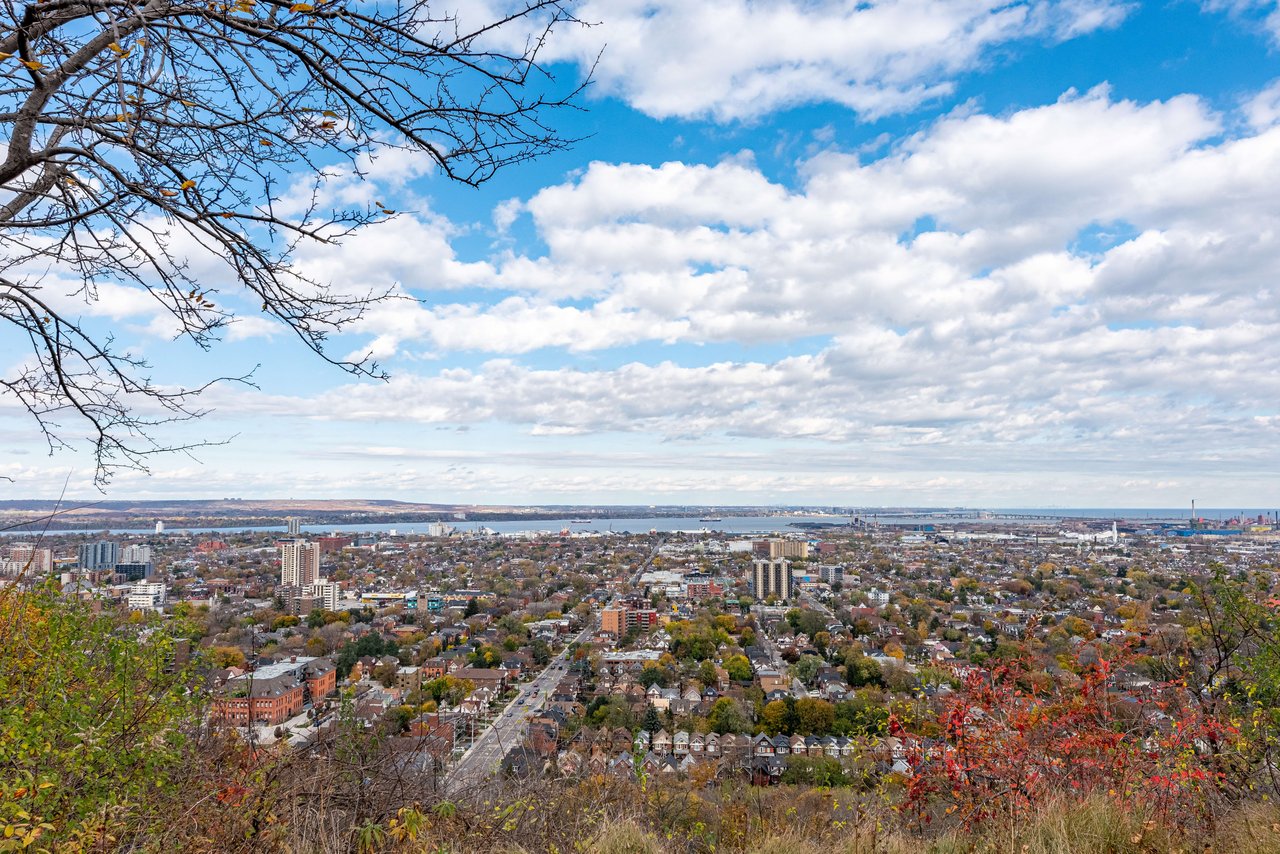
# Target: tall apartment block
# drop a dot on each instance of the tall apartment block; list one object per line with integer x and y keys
{"x": 771, "y": 577}
{"x": 299, "y": 563}
{"x": 103, "y": 555}
{"x": 136, "y": 554}
{"x": 777, "y": 548}
{"x": 617, "y": 621}
{"x": 26, "y": 559}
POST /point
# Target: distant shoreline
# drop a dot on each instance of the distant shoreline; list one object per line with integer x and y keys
{"x": 583, "y": 520}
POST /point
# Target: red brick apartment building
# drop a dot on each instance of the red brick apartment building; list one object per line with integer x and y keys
{"x": 616, "y": 621}
{"x": 271, "y": 695}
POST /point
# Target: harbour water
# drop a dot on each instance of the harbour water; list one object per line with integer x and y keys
{"x": 729, "y": 524}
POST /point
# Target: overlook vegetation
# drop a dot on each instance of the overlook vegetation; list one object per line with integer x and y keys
{"x": 104, "y": 746}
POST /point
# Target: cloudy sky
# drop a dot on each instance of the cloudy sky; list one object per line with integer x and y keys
{"x": 908, "y": 252}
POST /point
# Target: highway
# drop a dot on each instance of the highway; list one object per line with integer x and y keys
{"x": 484, "y": 758}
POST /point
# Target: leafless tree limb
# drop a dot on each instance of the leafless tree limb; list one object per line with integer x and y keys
{"x": 143, "y": 134}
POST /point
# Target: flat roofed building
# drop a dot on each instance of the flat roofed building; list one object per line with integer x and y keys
{"x": 25, "y": 558}
{"x": 771, "y": 577}
{"x": 299, "y": 563}
{"x": 146, "y": 596}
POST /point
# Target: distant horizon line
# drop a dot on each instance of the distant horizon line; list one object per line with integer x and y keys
{"x": 115, "y": 503}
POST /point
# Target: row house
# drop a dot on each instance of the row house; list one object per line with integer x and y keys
{"x": 680, "y": 702}
{"x": 652, "y": 763}
{"x": 682, "y": 743}
{"x": 616, "y": 740}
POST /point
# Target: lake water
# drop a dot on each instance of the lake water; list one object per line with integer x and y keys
{"x": 731, "y": 524}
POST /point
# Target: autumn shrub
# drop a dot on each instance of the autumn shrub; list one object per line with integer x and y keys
{"x": 1012, "y": 745}
{"x": 94, "y": 723}
{"x": 625, "y": 837}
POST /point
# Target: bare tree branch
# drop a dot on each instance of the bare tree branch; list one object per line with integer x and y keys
{"x": 142, "y": 134}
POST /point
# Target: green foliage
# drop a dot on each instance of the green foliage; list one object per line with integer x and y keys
{"x": 398, "y": 718}
{"x": 370, "y": 837}
{"x": 778, "y": 716}
{"x": 449, "y": 689}
{"x": 811, "y": 622}
{"x": 814, "y": 771}
{"x": 652, "y": 723}
{"x": 485, "y": 656}
{"x": 92, "y": 723}
{"x": 540, "y": 651}
{"x": 813, "y": 716}
{"x": 696, "y": 640}
{"x": 651, "y": 676}
{"x": 511, "y": 625}
{"x": 864, "y": 715}
{"x": 806, "y": 668}
{"x": 727, "y": 715}
{"x": 739, "y": 668}
{"x": 862, "y": 671}
{"x": 371, "y": 643}
{"x": 612, "y": 712}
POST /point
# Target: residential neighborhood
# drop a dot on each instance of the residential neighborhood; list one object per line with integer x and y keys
{"x": 696, "y": 654}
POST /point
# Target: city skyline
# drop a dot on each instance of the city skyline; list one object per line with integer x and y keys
{"x": 1024, "y": 256}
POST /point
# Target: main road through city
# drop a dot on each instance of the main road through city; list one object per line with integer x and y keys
{"x": 484, "y": 758}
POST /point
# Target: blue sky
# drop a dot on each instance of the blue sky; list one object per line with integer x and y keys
{"x": 909, "y": 252}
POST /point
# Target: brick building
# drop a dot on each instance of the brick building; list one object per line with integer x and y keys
{"x": 272, "y": 694}
{"x": 481, "y": 677}
{"x": 618, "y": 621}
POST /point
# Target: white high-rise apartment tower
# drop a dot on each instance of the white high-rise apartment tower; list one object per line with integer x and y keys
{"x": 299, "y": 563}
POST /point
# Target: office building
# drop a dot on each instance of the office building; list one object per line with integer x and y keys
{"x": 771, "y": 577}
{"x": 274, "y": 693}
{"x": 299, "y": 563}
